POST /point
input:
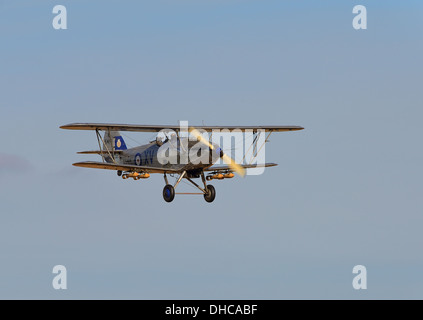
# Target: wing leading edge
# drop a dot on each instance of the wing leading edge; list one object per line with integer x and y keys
{"x": 245, "y": 166}
{"x": 157, "y": 128}
{"x": 123, "y": 167}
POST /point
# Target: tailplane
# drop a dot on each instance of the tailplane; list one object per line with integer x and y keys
{"x": 113, "y": 141}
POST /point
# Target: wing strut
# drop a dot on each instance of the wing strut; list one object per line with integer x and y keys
{"x": 255, "y": 152}
{"x": 255, "y": 147}
{"x": 99, "y": 145}
{"x": 99, "y": 137}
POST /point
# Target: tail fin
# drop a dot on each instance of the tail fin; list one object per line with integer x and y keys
{"x": 113, "y": 141}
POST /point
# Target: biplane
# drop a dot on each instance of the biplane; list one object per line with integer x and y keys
{"x": 141, "y": 161}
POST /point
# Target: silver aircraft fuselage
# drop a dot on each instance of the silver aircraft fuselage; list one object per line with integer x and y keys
{"x": 180, "y": 152}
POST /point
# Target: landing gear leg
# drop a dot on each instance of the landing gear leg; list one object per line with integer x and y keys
{"x": 169, "y": 190}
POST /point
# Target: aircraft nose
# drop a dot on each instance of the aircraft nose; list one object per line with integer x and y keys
{"x": 219, "y": 152}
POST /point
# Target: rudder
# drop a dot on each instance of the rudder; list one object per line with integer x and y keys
{"x": 113, "y": 141}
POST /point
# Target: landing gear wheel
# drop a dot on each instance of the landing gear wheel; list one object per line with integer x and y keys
{"x": 211, "y": 193}
{"x": 119, "y": 173}
{"x": 168, "y": 193}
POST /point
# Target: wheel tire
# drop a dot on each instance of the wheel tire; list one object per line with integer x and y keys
{"x": 119, "y": 173}
{"x": 211, "y": 193}
{"x": 168, "y": 193}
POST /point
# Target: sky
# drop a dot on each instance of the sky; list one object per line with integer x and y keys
{"x": 346, "y": 192}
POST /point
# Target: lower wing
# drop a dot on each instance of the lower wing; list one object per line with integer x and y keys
{"x": 123, "y": 167}
{"x": 245, "y": 166}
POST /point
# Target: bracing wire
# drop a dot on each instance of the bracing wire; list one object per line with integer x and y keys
{"x": 137, "y": 142}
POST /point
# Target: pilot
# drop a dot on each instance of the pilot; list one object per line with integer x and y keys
{"x": 159, "y": 141}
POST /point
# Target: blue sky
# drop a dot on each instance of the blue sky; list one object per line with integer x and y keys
{"x": 347, "y": 190}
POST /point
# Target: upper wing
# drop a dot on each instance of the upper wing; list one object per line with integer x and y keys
{"x": 245, "y": 166}
{"x": 123, "y": 167}
{"x": 157, "y": 128}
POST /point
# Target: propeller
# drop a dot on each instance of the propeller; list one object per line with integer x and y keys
{"x": 228, "y": 160}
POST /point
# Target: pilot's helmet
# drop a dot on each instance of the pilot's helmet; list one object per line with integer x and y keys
{"x": 159, "y": 141}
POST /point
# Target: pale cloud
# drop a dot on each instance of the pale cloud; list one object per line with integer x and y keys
{"x": 15, "y": 163}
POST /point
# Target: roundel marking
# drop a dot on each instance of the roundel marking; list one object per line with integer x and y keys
{"x": 118, "y": 143}
{"x": 138, "y": 159}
